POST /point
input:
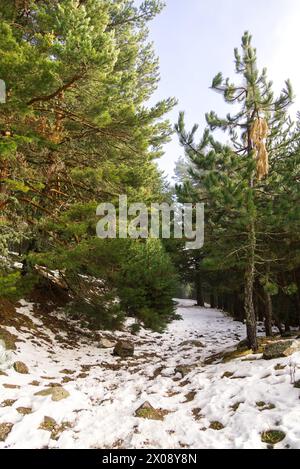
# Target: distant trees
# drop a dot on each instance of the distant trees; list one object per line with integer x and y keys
{"x": 75, "y": 128}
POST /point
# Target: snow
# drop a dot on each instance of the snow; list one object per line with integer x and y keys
{"x": 101, "y": 408}
{"x": 5, "y": 356}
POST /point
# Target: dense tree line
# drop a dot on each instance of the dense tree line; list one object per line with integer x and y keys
{"x": 76, "y": 130}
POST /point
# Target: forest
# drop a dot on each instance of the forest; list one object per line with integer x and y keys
{"x": 77, "y": 130}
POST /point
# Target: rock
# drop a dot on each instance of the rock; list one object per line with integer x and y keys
{"x": 20, "y": 367}
{"x": 11, "y": 386}
{"x": 8, "y": 340}
{"x": 146, "y": 411}
{"x": 58, "y": 393}
{"x": 282, "y": 348}
{"x": 8, "y": 402}
{"x": 297, "y": 384}
{"x": 34, "y": 383}
{"x": 193, "y": 343}
{"x": 65, "y": 372}
{"x": 289, "y": 335}
{"x": 124, "y": 349}
{"x": 189, "y": 397}
{"x": 227, "y": 374}
{"x": 44, "y": 392}
{"x": 5, "y": 429}
{"x": 5, "y": 356}
{"x": 106, "y": 343}
{"x": 67, "y": 380}
{"x": 295, "y": 347}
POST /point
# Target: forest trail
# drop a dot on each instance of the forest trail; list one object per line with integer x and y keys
{"x": 196, "y": 405}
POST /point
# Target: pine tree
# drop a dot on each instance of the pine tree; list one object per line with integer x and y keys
{"x": 76, "y": 127}
{"x": 233, "y": 179}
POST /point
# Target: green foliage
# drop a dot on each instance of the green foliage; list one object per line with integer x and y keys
{"x": 252, "y": 224}
{"x": 8, "y": 284}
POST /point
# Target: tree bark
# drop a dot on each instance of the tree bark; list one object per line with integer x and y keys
{"x": 268, "y": 309}
{"x": 269, "y": 315}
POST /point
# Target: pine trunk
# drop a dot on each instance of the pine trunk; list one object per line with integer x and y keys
{"x": 212, "y": 301}
{"x": 249, "y": 291}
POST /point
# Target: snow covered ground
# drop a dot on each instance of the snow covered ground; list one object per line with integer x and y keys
{"x": 225, "y": 405}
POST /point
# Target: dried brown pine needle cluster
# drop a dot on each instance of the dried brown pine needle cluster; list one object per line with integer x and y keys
{"x": 258, "y": 134}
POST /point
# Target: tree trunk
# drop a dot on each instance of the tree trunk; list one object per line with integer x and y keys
{"x": 268, "y": 309}
{"x": 199, "y": 292}
{"x": 249, "y": 290}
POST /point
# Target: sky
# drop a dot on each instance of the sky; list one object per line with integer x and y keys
{"x": 195, "y": 39}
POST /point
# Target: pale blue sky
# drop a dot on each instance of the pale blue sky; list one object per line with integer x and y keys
{"x": 195, "y": 40}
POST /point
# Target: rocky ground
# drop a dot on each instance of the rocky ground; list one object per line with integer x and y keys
{"x": 62, "y": 386}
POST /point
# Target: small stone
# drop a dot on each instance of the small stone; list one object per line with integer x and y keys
{"x": 236, "y": 406}
{"x": 34, "y": 383}
{"x": 184, "y": 370}
{"x": 8, "y": 402}
{"x": 11, "y": 386}
{"x": 297, "y": 384}
{"x": 124, "y": 349}
{"x": 48, "y": 424}
{"x": 227, "y": 374}
{"x": 24, "y": 410}
{"x": 197, "y": 414}
{"x": 20, "y": 367}
{"x": 59, "y": 394}
{"x": 146, "y": 411}
{"x": 106, "y": 343}
{"x": 66, "y": 372}
{"x": 282, "y": 348}
{"x": 5, "y": 429}
{"x": 265, "y": 406}
{"x": 53, "y": 385}
{"x": 8, "y": 339}
{"x": 2, "y": 373}
{"x": 44, "y": 392}
{"x": 216, "y": 426}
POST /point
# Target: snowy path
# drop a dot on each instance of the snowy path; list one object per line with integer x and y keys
{"x": 105, "y": 391}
